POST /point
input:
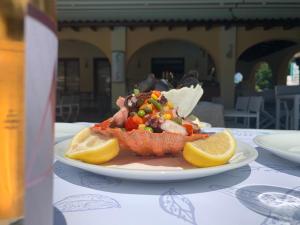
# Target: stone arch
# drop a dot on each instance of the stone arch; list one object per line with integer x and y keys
{"x": 240, "y": 54}
{"x": 260, "y": 35}
{"x": 170, "y": 48}
{"x": 259, "y": 52}
{"x": 209, "y": 51}
{"x": 94, "y": 70}
{"x": 100, "y": 39}
{"x": 82, "y": 40}
{"x": 207, "y": 40}
{"x": 250, "y": 45}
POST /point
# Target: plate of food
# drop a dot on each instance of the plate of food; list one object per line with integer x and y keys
{"x": 151, "y": 138}
{"x": 284, "y": 145}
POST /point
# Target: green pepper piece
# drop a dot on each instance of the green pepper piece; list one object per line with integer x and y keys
{"x": 155, "y": 103}
{"x": 147, "y": 109}
{"x": 149, "y": 129}
{"x": 178, "y": 120}
{"x": 141, "y": 113}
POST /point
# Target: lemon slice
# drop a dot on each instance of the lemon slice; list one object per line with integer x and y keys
{"x": 92, "y": 148}
{"x": 214, "y": 151}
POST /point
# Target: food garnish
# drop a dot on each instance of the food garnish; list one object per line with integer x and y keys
{"x": 91, "y": 148}
{"x": 184, "y": 99}
{"x": 214, "y": 151}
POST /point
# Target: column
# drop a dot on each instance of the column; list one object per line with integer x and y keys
{"x": 279, "y": 70}
{"x": 227, "y": 64}
{"x": 118, "y": 85}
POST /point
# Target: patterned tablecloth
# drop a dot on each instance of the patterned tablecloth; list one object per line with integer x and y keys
{"x": 265, "y": 192}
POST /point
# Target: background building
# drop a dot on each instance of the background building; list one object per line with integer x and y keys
{"x": 108, "y": 46}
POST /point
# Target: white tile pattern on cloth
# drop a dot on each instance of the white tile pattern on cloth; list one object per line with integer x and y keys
{"x": 234, "y": 197}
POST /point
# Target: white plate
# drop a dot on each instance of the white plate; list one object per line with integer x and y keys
{"x": 65, "y": 131}
{"x": 285, "y": 145}
{"x": 129, "y": 166}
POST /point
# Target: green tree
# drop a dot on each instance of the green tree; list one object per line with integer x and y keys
{"x": 263, "y": 78}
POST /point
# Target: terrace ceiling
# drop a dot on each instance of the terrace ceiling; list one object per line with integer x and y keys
{"x": 264, "y": 49}
{"x": 173, "y": 13}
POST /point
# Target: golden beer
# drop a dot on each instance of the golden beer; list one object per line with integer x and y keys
{"x": 12, "y": 103}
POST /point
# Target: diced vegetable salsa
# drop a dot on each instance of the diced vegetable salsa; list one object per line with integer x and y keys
{"x": 151, "y": 111}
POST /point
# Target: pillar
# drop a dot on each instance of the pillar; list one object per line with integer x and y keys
{"x": 227, "y": 64}
{"x": 279, "y": 67}
{"x": 118, "y": 85}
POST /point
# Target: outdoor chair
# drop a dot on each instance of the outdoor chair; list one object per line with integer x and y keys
{"x": 59, "y": 109}
{"x": 68, "y": 108}
{"x": 255, "y": 106}
{"x": 242, "y": 103}
{"x": 267, "y": 119}
{"x": 241, "y": 107}
{"x": 210, "y": 113}
{"x": 217, "y": 100}
{"x": 253, "y": 109}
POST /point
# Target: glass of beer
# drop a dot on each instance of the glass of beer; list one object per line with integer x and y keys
{"x": 14, "y": 138}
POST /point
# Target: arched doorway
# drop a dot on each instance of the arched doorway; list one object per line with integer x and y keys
{"x": 260, "y": 58}
{"x": 175, "y": 56}
{"x": 84, "y": 71}
{"x": 293, "y": 74}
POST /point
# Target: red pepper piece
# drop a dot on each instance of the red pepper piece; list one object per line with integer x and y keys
{"x": 138, "y": 120}
{"x": 189, "y": 129}
{"x": 104, "y": 125}
{"x": 130, "y": 124}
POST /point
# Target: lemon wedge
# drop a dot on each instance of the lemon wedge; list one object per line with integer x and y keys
{"x": 92, "y": 148}
{"x": 214, "y": 151}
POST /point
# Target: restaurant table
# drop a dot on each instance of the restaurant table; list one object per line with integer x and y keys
{"x": 296, "y": 104}
{"x": 263, "y": 193}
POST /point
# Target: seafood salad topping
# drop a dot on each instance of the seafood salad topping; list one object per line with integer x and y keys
{"x": 149, "y": 124}
{"x": 153, "y": 112}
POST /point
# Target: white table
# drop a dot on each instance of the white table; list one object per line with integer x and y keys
{"x": 296, "y": 104}
{"x": 242, "y": 114}
{"x": 230, "y": 198}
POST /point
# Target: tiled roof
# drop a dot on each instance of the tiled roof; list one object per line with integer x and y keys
{"x": 120, "y": 10}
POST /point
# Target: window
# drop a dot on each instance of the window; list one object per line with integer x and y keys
{"x": 68, "y": 76}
